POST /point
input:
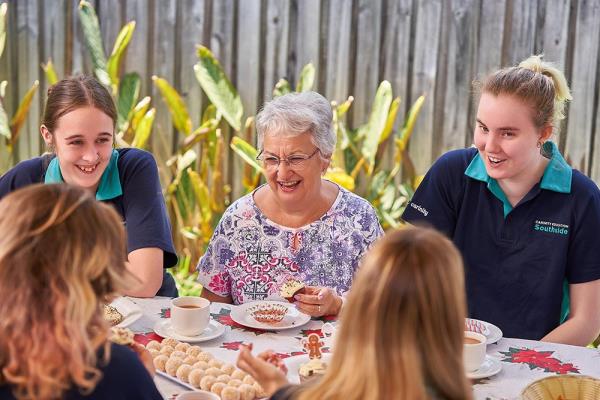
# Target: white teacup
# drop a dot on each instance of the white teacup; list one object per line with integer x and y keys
{"x": 474, "y": 349}
{"x": 190, "y": 315}
{"x": 197, "y": 395}
{"x": 329, "y": 331}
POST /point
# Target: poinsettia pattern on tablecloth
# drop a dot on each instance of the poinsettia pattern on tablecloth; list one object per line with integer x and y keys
{"x": 538, "y": 359}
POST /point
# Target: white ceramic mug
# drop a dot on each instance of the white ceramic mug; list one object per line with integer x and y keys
{"x": 474, "y": 353}
{"x": 197, "y": 395}
{"x": 190, "y": 315}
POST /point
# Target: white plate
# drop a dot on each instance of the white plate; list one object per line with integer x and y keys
{"x": 493, "y": 333}
{"x": 293, "y": 365}
{"x": 292, "y": 319}
{"x": 174, "y": 379}
{"x": 130, "y": 311}
{"x": 214, "y": 329}
{"x": 491, "y": 366}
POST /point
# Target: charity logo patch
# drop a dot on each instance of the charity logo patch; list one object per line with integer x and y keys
{"x": 551, "y": 227}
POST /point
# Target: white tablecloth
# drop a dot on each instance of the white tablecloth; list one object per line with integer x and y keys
{"x": 523, "y": 361}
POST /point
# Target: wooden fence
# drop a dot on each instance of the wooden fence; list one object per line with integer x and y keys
{"x": 421, "y": 46}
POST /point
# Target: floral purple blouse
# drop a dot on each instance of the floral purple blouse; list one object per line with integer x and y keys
{"x": 249, "y": 257}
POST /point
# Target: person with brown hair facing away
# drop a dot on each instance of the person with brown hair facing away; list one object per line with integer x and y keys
{"x": 78, "y": 127}
{"x": 524, "y": 220}
{"x": 401, "y": 331}
{"x": 62, "y": 257}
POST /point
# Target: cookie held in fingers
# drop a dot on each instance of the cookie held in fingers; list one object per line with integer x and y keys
{"x": 121, "y": 336}
{"x": 290, "y": 288}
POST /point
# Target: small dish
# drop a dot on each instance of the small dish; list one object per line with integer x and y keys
{"x": 130, "y": 311}
{"x": 491, "y": 366}
{"x": 293, "y": 365}
{"x": 213, "y": 330}
{"x": 291, "y": 319}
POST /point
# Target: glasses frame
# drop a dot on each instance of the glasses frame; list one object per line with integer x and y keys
{"x": 286, "y": 160}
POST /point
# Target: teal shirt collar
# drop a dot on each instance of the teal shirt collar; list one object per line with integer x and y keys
{"x": 110, "y": 184}
{"x": 557, "y": 175}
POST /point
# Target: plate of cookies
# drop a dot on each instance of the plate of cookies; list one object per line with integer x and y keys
{"x": 194, "y": 368}
{"x": 268, "y": 315}
{"x": 122, "y": 312}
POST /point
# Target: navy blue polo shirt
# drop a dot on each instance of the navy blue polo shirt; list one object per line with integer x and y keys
{"x": 130, "y": 183}
{"x": 516, "y": 259}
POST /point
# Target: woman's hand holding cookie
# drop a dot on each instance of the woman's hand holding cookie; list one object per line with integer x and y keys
{"x": 318, "y": 301}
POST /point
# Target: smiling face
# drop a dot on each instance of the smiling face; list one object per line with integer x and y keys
{"x": 83, "y": 141}
{"x": 507, "y": 138}
{"x": 294, "y": 187}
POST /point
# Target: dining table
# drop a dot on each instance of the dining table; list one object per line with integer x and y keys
{"x": 522, "y": 361}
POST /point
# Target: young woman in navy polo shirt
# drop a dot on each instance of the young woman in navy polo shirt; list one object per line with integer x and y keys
{"x": 79, "y": 126}
{"x": 527, "y": 224}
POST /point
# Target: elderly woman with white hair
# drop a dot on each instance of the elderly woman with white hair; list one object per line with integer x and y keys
{"x": 296, "y": 226}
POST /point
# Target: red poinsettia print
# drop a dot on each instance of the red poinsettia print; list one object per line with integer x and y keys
{"x": 220, "y": 283}
{"x": 306, "y": 332}
{"x": 165, "y": 313}
{"x": 538, "y": 359}
{"x": 145, "y": 338}
{"x": 235, "y": 346}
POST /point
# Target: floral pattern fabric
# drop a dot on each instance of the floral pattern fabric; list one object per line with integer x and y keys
{"x": 249, "y": 257}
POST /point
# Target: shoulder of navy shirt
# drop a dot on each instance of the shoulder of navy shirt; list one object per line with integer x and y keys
{"x": 516, "y": 259}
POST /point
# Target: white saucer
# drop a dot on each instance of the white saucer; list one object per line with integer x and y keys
{"x": 214, "y": 329}
{"x": 491, "y": 366}
{"x": 293, "y": 365}
{"x": 493, "y": 333}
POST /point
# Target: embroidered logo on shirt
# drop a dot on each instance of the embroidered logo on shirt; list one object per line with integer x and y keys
{"x": 420, "y": 209}
{"x": 551, "y": 227}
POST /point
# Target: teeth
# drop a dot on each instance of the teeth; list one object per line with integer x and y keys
{"x": 87, "y": 169}
{"x": 494, "y": 159}
{"x": 288, "y": 184}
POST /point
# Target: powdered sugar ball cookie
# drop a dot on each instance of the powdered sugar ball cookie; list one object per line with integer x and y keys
{"x": 179, "y": 354}
{"x": 247, "y": 392}
{"x": 238, "y": 374}
{"x": 204, "y": 356}
{"x": 166, "y": 350}
{"x": 182, "y": 346}
{"x": 172, "y": 364}
{"x": 223, "y": 378}
{"x": 183, "y": 372}
{"x": 234, "y": 383}
{"x": 260, "y": 392}
{"x": 153, "y": 344}
{"x": 203, "y": 365}
{"x": 207, "y": 382}
{"x": 230, "y": 393}
{"x": 160, "y": 361}
{"x": 169, "y": 342}
{"x": 153, "y": 352}
{"x": 215, "y": 363}
{"x": 191, "y": 360}
{"x": 212, "y": 371}
{"x": 249, "y": 380}
{"x": 193, "y": 351}
{"x": 195, "y": 376}
{"x": 228, "y": 369}
{"x": 217, "y": 388}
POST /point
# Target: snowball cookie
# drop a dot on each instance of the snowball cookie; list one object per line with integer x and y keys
{"x": 170, "y": 342}
{"x": 160, "y": 361}
{"x": 228, "y": 369}
{"x": 183, "y": 372}
{"x": 172, "y": 364}
{"x": 203, "y": 365}
{"x": 230, "y": 393}
{"x": 215, "y": 363}
{"x": 153, "y": 344}
{"x": 249, "y": 380}
{"x": 239, "y": 374}
{"x": 193, "y": 351}
{"x": 223, "y": 378}
{"x": 207, "y": 382}
{"x": 260, "y": 392}
{"x": 212, "y": 371}
{"x": 234, "y": 383}
{"x": 167, "y": 350}
{"x": 153, "y": 352}
{"x": 204, "y": 356}
{"x": 190, "y": 360}
{"x": 218, "y": 387}
{"x": 195, "y": 376}
{"x": 178, "y": 353}
{"x": 247, "y": 392}
{"x": 182, "y": 346}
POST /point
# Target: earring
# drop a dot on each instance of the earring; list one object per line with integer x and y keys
{"x": 539, "y": 144}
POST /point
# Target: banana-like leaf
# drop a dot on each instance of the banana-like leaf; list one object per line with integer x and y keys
{"x": 4, "y": 127}
{"x": 281, "y": 87}
{"x": 409, "y": 124}
{"x": 117, "y": 53}
{"x": 250, "y": 177}
{"x": 202, "y": 195}
{"x": 373, "y": 130}
{"x": 218, "y": 88}
{"x": 186, "y": 160}
{"x": 197, "y": 136}
{"x": 129, "y": 91}
{"x": 391, "y": 119}
{"x": 93, "y": 40}
{"x": 3, "y": 88}
{"x": 175, "y": 104}
{"x": 246, "y": 151}
{"x": 210, "y": 113}
{"x": 50, "y": 72}
{"x": 139, "y": 111}
{"x": 344, "y": 107}
{"x": 3, "y": 12}
{"x": 19, "y": 118}
{"x": 143, "y": 129}
{"x": 340, "y": 177}
{"x": 307, "y": 78}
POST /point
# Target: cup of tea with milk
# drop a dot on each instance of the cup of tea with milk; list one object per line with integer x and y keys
{"x": 190, "y": 315}
{"x": 474, "y": 350}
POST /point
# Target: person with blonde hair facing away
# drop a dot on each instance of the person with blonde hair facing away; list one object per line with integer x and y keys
{"x": 62, "y": 256}
{"x": 524, "y": 220}
{"x": 402, "y": 328}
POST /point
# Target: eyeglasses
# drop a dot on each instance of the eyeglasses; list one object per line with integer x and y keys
{"x": 295, "y": 161}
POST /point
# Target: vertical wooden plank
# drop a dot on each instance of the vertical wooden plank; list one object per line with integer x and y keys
{"x": 80, "y": 61}
{"x": 520, "y": 32}
{"x": 28, "y": 62}
{"x": 337, "y": 50}
{"x": 491, "y": 32}
{"x": 584, "y": 86}
{"x": 275, "y": 44}
{"x": 248, "y": 56}
{"x": 53, "y": 43}
{"x": 110, "y": 18}
{"x": 137, "y": 56}
{"x": 308, "y": 37}
{"x": 427, "y": 33}
{"x": 190, "y": 31}
{"x": 452, "y": 117}
{"x": 366, "y": 69}
{"x": 163, "y": 64}
{"x": 8, "y": 72}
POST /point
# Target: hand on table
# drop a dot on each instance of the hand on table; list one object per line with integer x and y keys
{"x": 317, "y": 301}
{"x": 267, "y": 370}
{"x": 145, "y": 357}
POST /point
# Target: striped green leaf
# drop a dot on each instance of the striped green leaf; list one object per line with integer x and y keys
{"x": 117, "y": 53}
{"x": 19, "y": 118}
{"x": 307, "y": 78}
{"x": 143, "y": 129}
{"x": 175, "y": 104}
{"x": 129, "y": 91}
{"x": 93, "y": 40}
